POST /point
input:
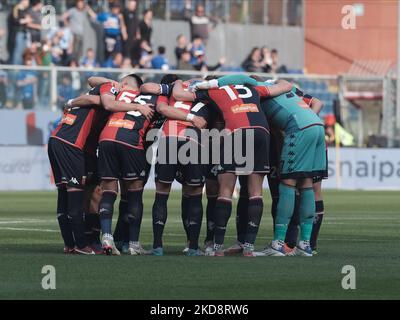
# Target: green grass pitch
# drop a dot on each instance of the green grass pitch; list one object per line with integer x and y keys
{"x": 360, "y": 229}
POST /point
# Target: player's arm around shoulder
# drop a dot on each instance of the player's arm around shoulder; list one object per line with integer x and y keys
{"x": 280, "y": 87}
{"x": 316, "y": 105}
{"x": 180, "y": 94}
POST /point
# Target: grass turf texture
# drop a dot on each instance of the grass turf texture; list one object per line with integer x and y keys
{"x": 360, "y": 229}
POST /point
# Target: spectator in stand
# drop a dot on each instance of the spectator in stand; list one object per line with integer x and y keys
{"x": 19, "y": 21}
{"x": 252, "y": 62}
{"x": 181, "y": 46}
{"x": 114, "y": 61}
{"x": 146, "y": 55}
{"x": 65, "y": 91}
{"x": 197, "y": 50}
{"x": 127, "y": 63}
{"x": 77, "y": 16}
{"x": 184, "y": 62}
{"x": 45, "y": 59}
{"x": 266, "y": 60}
{"x": 132, "y": 27}
{"x": 200, "y": 24}
{"x": 26, "y": 81}
{"x": 146, "y": 26}
{"x": 89, "y": 60}
{"x": 66, "y": 42}
{"x": 35, "y": 26}
{"x": 114, "y": 29}
{"x": 160, "y": 61}
{"x": 2, "y": 49}
{"x": 275, "y": 66}
{"x": 202, "y": 65}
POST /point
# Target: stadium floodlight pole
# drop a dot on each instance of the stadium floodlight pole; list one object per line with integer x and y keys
{"x": 398, "y": 69}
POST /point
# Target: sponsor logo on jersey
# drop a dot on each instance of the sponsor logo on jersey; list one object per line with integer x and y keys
{"x": 68, "y": 119}
{"x": 241, "y": 108}
{"x": 121, "y": 123}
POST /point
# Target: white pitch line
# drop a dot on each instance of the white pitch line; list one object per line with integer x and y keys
{"x": 28, "y": 229}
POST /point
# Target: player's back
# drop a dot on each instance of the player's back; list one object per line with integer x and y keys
{"x": 239, "y": 106}
{"x": 290, "y": 109}
{"x": 129, "y": 127}
{"x": 80, "y": 127}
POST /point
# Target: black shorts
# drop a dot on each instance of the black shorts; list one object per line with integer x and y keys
{"x": 67, "y": 163}
{"x": 92, "y": 174}
{"x": 170, "y": 167}
{"x": 241, "y": 161}
{"x": 118, "y": 161}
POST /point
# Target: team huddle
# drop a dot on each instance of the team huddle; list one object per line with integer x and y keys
{"x": 203, "y": 134}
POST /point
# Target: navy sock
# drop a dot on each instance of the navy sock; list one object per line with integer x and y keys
{"x": 195, "y": 217}
{"x": 106, "y": 210}
{"x": 121, "y": 231}
{"x": 159, "y": 214}
{"x": 210, "y": 217}
{"x": 319, "y": 210}
{"x": 184, "y": 208}
{"x": 292, "y": 233}
{"x": 135, "y": 213}
{"x": 62, "y": 217}
{"x": 255, "y": 210}
{"x": 242, "y": 217}
{"x": 92, "y": 224}
{"x": 223, "y": 210}
{"x": 75, "y": 212}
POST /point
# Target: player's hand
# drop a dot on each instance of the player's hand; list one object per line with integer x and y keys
{"x": 147, "y": 111}
{"x": 199, "y": 122}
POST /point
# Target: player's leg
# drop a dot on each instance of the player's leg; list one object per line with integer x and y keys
{"x": 212, "y": 195}
{"x": 121, "y": 230}
{"x": 135, "y": 215}
{"x": 62, "y": 196}
{"x": 63, "y": 220}
{"x": 242, "y": 217}
{"x": 255, "y": 210}
{"x": 193, "y": 178}
{"x": 319, "y": 214}
{"x": 93, "y": 195}
{"x": 159, "y": 214}
{"x": 223, "y": 209}
{"x": 109, "y": 172}
{"x": 165, "y": 174}
{"x": 106, "y": 210}
{"x": 306, "y": 215}
{"x": 321, "y": 168}
{"x": 133, "y": 164}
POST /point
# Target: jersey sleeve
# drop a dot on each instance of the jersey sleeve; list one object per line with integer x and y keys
{"x": 108, "y": 88}
{"x": 263, "y": 91}
{"x": 162, "y": 99}
{"x": 236, "y": 79}
{"x": 200, "y": 109}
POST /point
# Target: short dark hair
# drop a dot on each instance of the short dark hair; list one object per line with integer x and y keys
{"x": 210, "y": 77}
{"x": 138, "y": 79}
{"x": 274, "y": 51}
{"x": 169, "y": 78}
{"x": 161, "y": 50}
{"x": 197, "y": 36}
